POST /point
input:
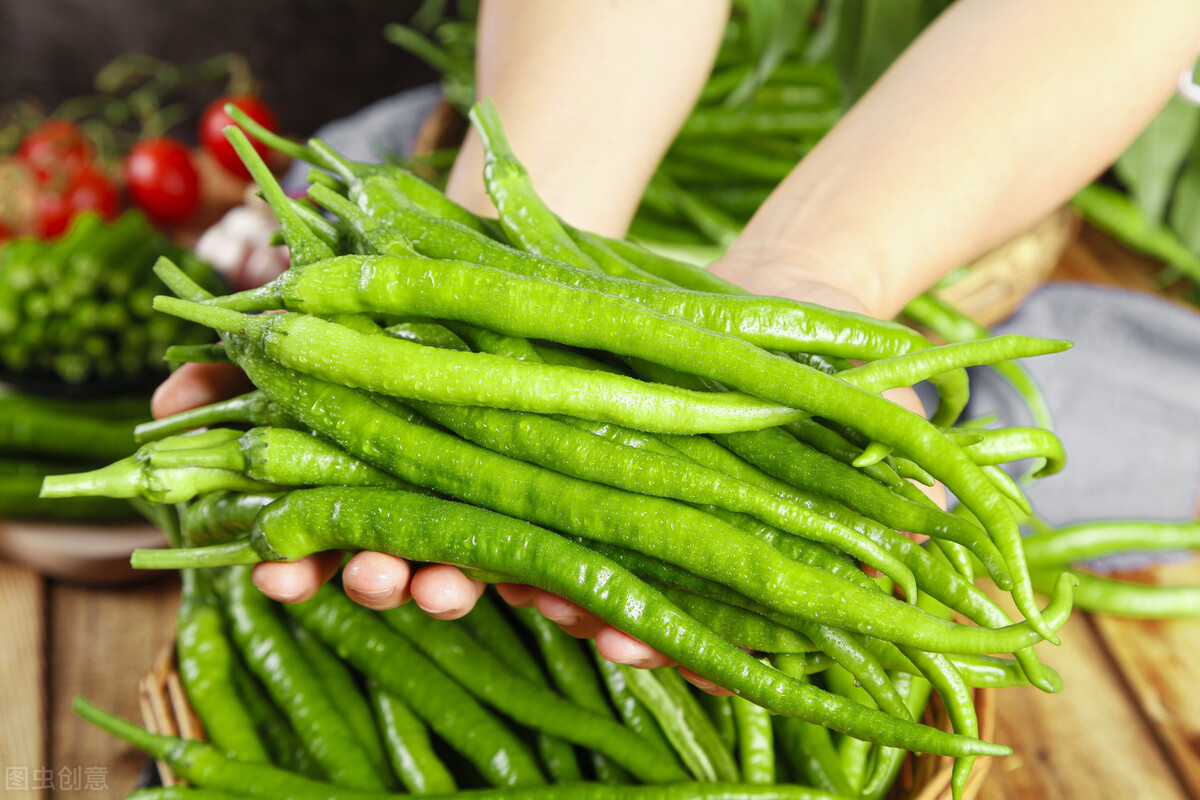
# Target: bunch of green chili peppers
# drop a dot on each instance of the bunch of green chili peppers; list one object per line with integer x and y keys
{"x": 702, "y": 468}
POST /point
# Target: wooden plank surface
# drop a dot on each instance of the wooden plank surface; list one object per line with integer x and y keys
{"x": 22, "y": 711}
{"x": 101, "y": 642}
{"x": 1160, "y": 662}
{"x": 1089, "y": 741}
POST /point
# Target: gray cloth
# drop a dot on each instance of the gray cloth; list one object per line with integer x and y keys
{"x": 1125, "y": 402}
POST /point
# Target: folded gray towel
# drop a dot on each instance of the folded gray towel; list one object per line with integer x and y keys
{"x": 1125, "y": 401}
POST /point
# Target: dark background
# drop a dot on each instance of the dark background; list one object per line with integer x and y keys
{"x": 317, "y": 59}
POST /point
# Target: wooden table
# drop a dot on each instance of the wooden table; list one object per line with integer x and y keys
{"x": 1126, "y": 726}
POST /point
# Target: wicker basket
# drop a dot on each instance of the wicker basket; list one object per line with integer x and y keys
{"x": 165, "y": 710}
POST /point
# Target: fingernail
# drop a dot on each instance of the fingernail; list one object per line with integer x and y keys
{"x": 703, "y": 685}
{"x": 637, "y": 662}
{"x": 435, "y": 611}
{"x": 287, "y": 597}
{"x": 567, "y": 621}
{"x": 375, "y": 595}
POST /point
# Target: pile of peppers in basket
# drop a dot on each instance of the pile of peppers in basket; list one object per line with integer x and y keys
{"x": 700, "y": 467}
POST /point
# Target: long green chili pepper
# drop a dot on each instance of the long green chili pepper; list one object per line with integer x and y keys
{"x": 633, "y": 712}
{"x": 1126, "y": 599}
{"x": 385, "y": 657}
{"x": 206, "y": 660}
{"x": 572, "y": 673}
{"x": 720, "y": 712}
{"x": 281, "y": 456}
{"x": 137, "y": 476}
{"x": 352, "y": 703}
{"x": 949, "y": 323}
{"x": 273, "y": 728}
{"x": 204, "y": 766}
{"x": 511, "y": 191}
{"x": 756, "y": 742}
{"x": 769, "y": 376}
{"x": 222, "y": 516}
{"x": 1087, "y": 540}
{"x": 1012, "y": 444}
{"x": 491, "y": 629}
{"x": 488, "y": 678}
{"x": 275, "y": 658}
{"x": 854, "y": 754}
{"x": 810, "y": 751}
{"x": 409, "y": 747}
{"x": 772, "y": 323}
{"x": 888, "y": 760}
{"x": 665, "y": 695}
{"x": 446, "y": 376}
{"x": 426, "y": 529}
{"x": 959, "y": 704}
{"x": 737, "y": 625}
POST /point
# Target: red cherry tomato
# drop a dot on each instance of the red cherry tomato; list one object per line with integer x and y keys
{"x": 51, "y": 214}
{"x": 91, "y": 190}
{"x": 215, "y": 120}
{"x": 56, "y": 147}
{"x": 162, "y": 180}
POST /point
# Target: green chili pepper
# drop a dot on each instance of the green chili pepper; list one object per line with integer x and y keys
{"x": 665, "y": 695}
{"x": 408, "y": 746}
{"x": 426, "y": 529}
{"x": 486, "y": 676}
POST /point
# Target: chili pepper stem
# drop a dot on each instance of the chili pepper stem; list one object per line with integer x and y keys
{"x": 149, "y": 743}
{"x": 223, "y": 456}
{"x": 179, "y": 281}
{"x": 262, "y": 298}
{"x": 198, "y": 353}
{"x": 220, "y": 318}
{"x": 271, "y": 139}
{"x": 119, "y": 479}
{"x": 217, "y": 555}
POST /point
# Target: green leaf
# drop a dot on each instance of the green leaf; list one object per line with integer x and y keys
{"x": 1184, "y": 217}
{"x": 871, "y": 35}
{"x": 1149, "y": 166}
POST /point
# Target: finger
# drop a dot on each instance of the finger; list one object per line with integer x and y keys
{"x": 703, "y": 684}
{"x": 621, "y": 648}
{"x": 194, "y": 385}
{"x": 443, "y": 592}
{"x": 377, "y": 580}
{"x": 576, "y": 621}
{"x": 296, "y": 581}
{"x": 517, "y": 595}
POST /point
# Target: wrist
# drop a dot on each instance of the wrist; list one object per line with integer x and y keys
{"x": 808, "y": 269}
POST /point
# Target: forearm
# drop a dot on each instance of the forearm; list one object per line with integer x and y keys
{"x": 994, "y": 117}
{"x": 591, "y": 95}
